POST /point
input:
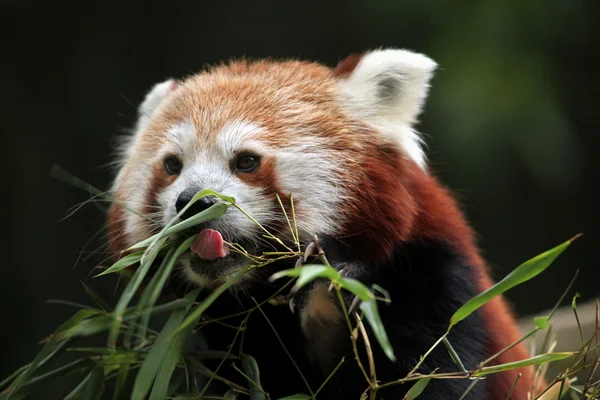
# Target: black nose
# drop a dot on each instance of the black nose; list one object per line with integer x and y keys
{"x": 186, "y": 196}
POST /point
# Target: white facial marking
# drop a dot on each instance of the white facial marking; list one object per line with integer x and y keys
{"x": 235, "y": 136}
{"x": 305, "y": 171}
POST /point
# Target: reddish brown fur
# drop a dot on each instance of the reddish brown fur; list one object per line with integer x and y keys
{"x": 160, "y": 180}
{"x": 345, "y": 68}
{"x": 264, "y": 177}
{"x": 290, "y": 97}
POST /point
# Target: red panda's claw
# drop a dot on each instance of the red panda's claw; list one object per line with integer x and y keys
{"x": 292, "y": 305}
{"x": 353, "y": 305}
{"x": 299, "y": 263}
{"x": 310, "y": 250}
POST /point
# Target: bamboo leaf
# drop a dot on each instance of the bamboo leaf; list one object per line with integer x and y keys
{"x": 39, "y": 381}
{"x": 250, "y": 367}
{"x": 12, "y": 376}
{"x": 79, "y": 389}
{"x": 308, "y": 274}
{"x": 160, "y": 389}
{"x": 130, "y": 291}
{"x": 522, "y": 273}
{"x": 357, "y": 288}
{"x": 156, "y": 285}
{"x": 122, "y": 263}
{"x": 97, "y": 299}
{"x": 48, "y": 349}
{"x": 103, "y": 322}
{"x": 374, "y": 320}
{"x": 417, "y": 388}
{"x": 536, "y": 360}
{"x": 299, "y": 396}
{"x": 230, "y": 395}
{"x": 95, "y": 385}
{"x": 121, "y": 380}
{"x": 156, "y": 356}
{"x": 115, "y": 360}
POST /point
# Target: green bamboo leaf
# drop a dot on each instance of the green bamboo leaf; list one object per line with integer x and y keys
{"x": 95, "y": 386}
{"x": 357, "y": 288}
{"x": 308, "y": 274}
{"x": 536, "y": 360}
{"x": 250, "y": 367}
{"x": 374, "y": 320}
{"x": 522, "y": 273}
{"x": 299, "y": 396}
{"x": 156, "y": 285}
{"x": 230, "y": 395}
{"x": 114, "y": 361}
{"x": 130, "y": 291}
{"x": 48, "y": 349}
{"x": 378, "y": 289}
{"x": 104, "y": 322}
{"x": 40, "y": 381}
{"x": 417, "y": 388}
{"x": 160, "y": 389}
{"x": 143, "y": 301}
{"x": 79, "y": 389}
{"x": 123, "y": 263}
{"x": 121, "y": 380}
{"x": 12, "y": 376}
{"x": 93, "y": 350}
{"x": 97, "y": 299}
{"x": 159, "y": 351}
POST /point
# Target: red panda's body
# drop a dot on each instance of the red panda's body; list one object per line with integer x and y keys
{"x": 341, "y": 142}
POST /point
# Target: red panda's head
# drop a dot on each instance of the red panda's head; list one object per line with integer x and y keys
{"x": 339, "y": 140}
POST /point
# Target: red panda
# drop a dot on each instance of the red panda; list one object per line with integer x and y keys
{"x": 342, "y": 142}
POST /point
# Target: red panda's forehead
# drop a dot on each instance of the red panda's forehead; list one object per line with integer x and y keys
{"x": 287, "y": 100}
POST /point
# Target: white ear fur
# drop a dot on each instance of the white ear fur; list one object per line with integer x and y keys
{"x": 145, "y": 111}
{"x": 387, "y": 89}
{"x": 153, "y": 99}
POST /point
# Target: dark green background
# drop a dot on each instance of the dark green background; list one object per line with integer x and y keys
{"x": 512, "y": 122}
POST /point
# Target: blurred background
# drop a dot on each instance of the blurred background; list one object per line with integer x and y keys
{"x": 512, "y": 123}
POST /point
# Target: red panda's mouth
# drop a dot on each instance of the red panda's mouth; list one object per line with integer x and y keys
{"x": 211, "y": 259}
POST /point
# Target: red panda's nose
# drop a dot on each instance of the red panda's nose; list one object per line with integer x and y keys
{"x": 186, "y": 196}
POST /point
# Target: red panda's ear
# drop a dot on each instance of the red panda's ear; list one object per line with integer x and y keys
{"x": 387, "y": 89}
{"x": 153, "y": 99}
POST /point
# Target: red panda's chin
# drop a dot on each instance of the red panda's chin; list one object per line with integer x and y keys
{"x": 211, "y": 273}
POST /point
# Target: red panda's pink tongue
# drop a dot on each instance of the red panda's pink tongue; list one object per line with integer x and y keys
{"x": 209, "y": 245}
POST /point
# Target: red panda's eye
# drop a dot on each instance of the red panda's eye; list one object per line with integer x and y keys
{"x": 246, "y": 163}
{"x": 173, "y": 165}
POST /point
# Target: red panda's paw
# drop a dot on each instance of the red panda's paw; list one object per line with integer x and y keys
{"x": 327, "y": 250}
{"x": 323, "y": 324}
